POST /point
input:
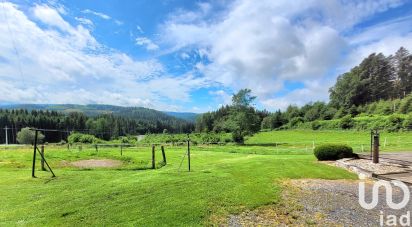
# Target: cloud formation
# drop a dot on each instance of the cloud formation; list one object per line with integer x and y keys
{"x": 101, "y": 15}
{"x": 62, "y": 63}
{"x": 147, "y": 43}
{"x": 264, "y": 44}
{"x": 49, "y": 57}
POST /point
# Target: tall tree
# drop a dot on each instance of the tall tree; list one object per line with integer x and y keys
{"x": 243, "y": 98}
{"x": 402, "y": 63}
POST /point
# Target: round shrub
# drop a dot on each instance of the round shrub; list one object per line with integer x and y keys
{"x": 333, "y": 152}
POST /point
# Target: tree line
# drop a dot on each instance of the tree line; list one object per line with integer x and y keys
{"x": 104, "y": 126}
{"x": 379, "y": 85}
{"x": 377, "y": 77}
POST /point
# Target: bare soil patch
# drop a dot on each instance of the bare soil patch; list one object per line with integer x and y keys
{"x": 96, "y": 163}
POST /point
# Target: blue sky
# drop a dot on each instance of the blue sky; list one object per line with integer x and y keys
{"x": 189, "y": 55}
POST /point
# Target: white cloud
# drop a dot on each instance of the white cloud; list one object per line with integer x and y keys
{"x": 147, "y": 43}
{"x": 262, "y": 44}
{"x": 101, "y": 15}
{"x": 184, "y": 56}
{"x": 84, "y": 21}
{"x": 313, "y": 91}
{"x": 222, "y": 97}
{"x": 63, "y": 63}
{"x": 139, "y": 29}
{"x": 50, "y": 17}
{"x": 118, "y": 22}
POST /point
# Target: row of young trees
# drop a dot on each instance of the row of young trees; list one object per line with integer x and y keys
{"x": 105, "y": 126}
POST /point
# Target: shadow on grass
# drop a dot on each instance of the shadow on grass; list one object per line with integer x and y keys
{"x": 264, "y": 144}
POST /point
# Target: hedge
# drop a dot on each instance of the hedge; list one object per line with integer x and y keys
{"x": 333, "y": 152}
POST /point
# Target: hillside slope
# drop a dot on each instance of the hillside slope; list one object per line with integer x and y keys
{"x": 137, "y": 113}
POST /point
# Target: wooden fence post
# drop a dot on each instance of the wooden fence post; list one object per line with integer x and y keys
{"x": 153, "y": 157}
{"x": 164, "y": 154}
{"x": 42, "y": 160}
{"x": 121, "y": 149}
{"x": 188, "y": 153}
{"x": 97, "y": 149}
{"x": 375, "y": 148}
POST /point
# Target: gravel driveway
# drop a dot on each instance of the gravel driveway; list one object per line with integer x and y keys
{"x": 321, "y": 202}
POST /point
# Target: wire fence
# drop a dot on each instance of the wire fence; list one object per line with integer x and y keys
{"x": 386, "y": 145}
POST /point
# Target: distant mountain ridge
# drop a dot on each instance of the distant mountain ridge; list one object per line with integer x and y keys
{"x": 98, "y": 109}
{"x": 188, "y": 116}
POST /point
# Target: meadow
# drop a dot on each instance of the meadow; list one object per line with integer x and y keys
{"x": 305, "y": 139}
{"x": 225, "y": 179}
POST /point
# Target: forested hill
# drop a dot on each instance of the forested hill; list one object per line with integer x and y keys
{"x": 136, "y": 113}
{"x": 103, "y": 121}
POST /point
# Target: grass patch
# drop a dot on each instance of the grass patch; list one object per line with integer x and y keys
{"x": 224, "y": 180}
{"x": 304, "y": 139}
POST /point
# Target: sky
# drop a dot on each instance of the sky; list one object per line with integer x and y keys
{"x": 188, "y": 55}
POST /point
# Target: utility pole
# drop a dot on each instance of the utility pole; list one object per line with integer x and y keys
{"x": 7, "y": 139}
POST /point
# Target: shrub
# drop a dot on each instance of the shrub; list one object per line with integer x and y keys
{"x": 82, "y": 138}
{"x": 26, "y": 136}
{"x": 347, "y": 122}
{"x": 394, "y": 123}
{"x": 333, "y": 152}
{"x": 296, "y": 121}
{"x": 237, "y": 137}
{"x": 407, "y": 123}
{"x": 316, "y": 125}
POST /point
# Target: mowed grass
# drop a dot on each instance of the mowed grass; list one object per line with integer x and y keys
{"x": 224, "y": 180}
{"x": 304, "y": 139}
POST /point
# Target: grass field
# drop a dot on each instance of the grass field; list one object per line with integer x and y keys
{"x": 224, "y": 180}
{"x": 302, "y": 139}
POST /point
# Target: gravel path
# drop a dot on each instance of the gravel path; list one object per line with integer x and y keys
{"x": 322, "y": 203}
{"x": 378, "y": 168}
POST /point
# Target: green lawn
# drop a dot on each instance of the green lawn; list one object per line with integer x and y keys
{"x": 224, "y": 180}
{"x": 304, "y": 139}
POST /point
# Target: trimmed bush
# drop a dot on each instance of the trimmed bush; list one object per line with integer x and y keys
{"x": 333, "y": 152}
